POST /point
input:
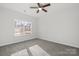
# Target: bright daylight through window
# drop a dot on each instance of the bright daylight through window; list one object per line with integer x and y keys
{"x": 22, "y": 27}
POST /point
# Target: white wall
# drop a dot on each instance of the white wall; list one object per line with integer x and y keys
{"x": 61, "y": 25}
{"x": 7, "y": 26}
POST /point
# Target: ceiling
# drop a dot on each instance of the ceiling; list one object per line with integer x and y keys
{"x": 21, "y": 7}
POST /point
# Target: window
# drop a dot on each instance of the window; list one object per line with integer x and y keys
{"x": 22, "y": 27}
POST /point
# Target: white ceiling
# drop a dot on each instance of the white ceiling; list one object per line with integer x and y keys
{"x": 20, "y": 7}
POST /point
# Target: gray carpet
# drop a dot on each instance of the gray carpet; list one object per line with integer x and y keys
{"x": 53, "y": 49}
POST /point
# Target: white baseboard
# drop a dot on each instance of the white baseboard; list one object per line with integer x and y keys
{"x": 67, "y": 44}
{"x": 15, "y": 42}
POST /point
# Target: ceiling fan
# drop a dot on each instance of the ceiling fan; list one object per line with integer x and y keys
{"x": 41, "y": 7}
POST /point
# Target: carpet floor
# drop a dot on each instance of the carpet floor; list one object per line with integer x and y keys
{"x": 38, "y": 47}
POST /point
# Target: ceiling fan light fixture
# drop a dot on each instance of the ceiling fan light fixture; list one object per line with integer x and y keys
{"x": 40, "y": 8}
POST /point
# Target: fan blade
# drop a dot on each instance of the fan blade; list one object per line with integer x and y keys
{"x": 46, "y": 5}
{"x": 33, "y": 7}
{"x": 38, "y": 4}
{"x": 44, "y": 10}
{"x": 37, "y": 11}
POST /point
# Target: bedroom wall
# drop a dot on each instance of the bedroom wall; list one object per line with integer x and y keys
{"x": 61, "y": 25}
{"x": 7, "y": 17}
